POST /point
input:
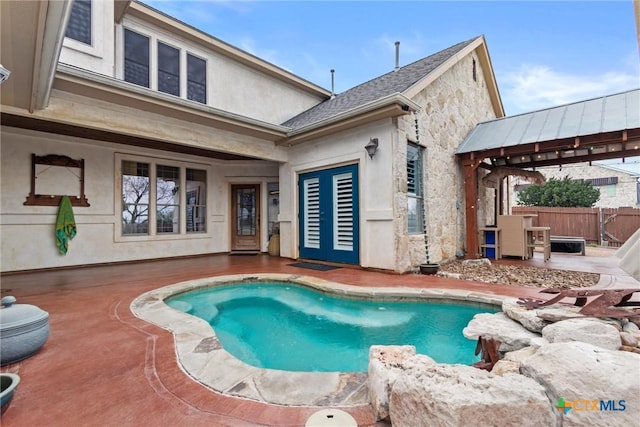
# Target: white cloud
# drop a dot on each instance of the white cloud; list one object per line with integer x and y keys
{"x": 533, "y": 87}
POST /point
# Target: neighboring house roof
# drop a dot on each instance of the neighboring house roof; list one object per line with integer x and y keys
{"x": 393, "y": 82}
{"x": 609, "y": 113}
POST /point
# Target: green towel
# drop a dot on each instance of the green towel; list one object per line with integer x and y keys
{"x": 65, "y": 225}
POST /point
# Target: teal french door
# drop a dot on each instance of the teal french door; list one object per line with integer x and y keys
{"x": 329, "y": 222}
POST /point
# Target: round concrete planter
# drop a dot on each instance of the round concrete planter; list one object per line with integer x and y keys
{"x": 24, "y": 329}
{"x": 9, "y": 382}
{"x": 429, "y": 268}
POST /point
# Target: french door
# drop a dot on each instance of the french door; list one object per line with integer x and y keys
{"x": 329, "y": 221}
{"x": 245, "y": 213}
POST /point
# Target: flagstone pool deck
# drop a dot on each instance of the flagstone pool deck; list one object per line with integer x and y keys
{"x": 103, "y": 366}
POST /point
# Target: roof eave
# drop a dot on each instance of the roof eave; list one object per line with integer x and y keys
{"x": 393, "y": 105}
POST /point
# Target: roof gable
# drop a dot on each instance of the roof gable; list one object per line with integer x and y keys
{"x": 397, "y": 81}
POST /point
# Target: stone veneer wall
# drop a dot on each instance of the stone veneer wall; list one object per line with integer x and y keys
{"x": 622, "y": 194}
{"x": 452, "y": 106}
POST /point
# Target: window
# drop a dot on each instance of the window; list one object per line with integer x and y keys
{"x": 135, "y": 198}
{"x": 154, "y": 195}
{"x": 414, "y": 189}
{"x": 136, "y": 58}
{"x": 168, "y": 69}
{"x": 196, "y": 200}
{"x": 79, "y": 26}
{"x": 167, "y": 199}
{"x": 196, "y": 79}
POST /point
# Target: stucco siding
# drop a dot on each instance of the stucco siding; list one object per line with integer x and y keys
{"x": 28, "y": 240}
{"x": 375, "y": 185}
{"x": 99, "y": 56}
{"x": 231, "y": 86}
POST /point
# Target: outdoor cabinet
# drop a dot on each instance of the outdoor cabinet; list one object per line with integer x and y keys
{"x": 513, "y": 238}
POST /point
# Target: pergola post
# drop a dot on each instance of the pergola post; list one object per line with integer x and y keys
{"x": 470, "y": 172}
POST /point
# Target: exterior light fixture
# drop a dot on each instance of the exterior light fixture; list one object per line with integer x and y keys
{"x": 372, "y": 147}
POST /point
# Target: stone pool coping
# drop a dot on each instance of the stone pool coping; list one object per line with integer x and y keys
{"x": 203, "y": 358}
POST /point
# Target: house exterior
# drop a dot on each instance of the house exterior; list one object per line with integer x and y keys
{"x": 618, "y": 187}
{"x": 172, "y": 143}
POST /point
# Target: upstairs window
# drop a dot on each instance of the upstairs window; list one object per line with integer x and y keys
{"x": 79, "y": 26}
{"x": 168, "y": 69}
{"x": 196, "y": 79}
{"x": 414, "y": 189}
{"x": 136, "y": 58}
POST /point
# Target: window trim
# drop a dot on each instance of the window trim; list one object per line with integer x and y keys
{"x": 153, "y": 235}
{"x": 95, "y": 49}
{"x": 91, "y": 22}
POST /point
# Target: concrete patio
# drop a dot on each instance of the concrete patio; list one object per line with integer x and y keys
{"x": 102, "y": 366}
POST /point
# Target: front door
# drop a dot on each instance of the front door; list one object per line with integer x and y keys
{"x": 245, "y": 213}
{"x": 329, "y": 223}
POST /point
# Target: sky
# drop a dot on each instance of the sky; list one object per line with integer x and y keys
{"x": 544, "y": 53}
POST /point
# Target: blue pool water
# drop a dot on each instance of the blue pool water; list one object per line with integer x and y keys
{"x": 293, "y": 328}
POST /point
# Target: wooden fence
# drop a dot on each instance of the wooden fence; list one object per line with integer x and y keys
{"x": 600, "y": 226}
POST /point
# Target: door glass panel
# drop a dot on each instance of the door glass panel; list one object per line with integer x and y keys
{"x": 246, "y": 212}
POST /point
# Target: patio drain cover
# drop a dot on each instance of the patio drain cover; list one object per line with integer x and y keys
{"x": 331, "y": 418}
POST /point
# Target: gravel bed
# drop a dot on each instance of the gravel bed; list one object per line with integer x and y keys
{"x": 521, "y": 276}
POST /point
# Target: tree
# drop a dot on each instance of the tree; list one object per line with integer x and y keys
{"x": 566, "y": 193}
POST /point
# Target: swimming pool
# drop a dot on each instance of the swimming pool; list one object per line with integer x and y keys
{"x": 289, "y": 327}
{"x": 202, "y": 356}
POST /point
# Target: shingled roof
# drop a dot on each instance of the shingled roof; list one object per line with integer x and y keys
{"x": 385, "y": 85}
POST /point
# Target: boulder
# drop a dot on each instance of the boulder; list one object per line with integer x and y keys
{"x": 580, "y": 373}
{"x": 511, "y": 334}
{"x": 557, "y": 312}
{"x": 590, "y": 331}
{"x": 519, "y": 355}
{"x": 628, "y": 339}
{"x": 526, "y": 317}
{"x": 385, "y": 364}
{"x": 428, "y": 394}
{"x": 503, "y": 367}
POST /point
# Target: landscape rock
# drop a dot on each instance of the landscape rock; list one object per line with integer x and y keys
{"x": 520, "y": 355}
{"x": 511, "y": 334}
{"x": 459, "y": 395}
{"x": 385, "y": 364}
{"x": 628, "y": 339}
{"x": 526, "y": 317}
{"x": 630, "y": 327}
{"x": 557, "y": 312}
{"x": 503, "y": 367}
{"x": 578, "y": 371}
{"x": 590, "y": 331}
